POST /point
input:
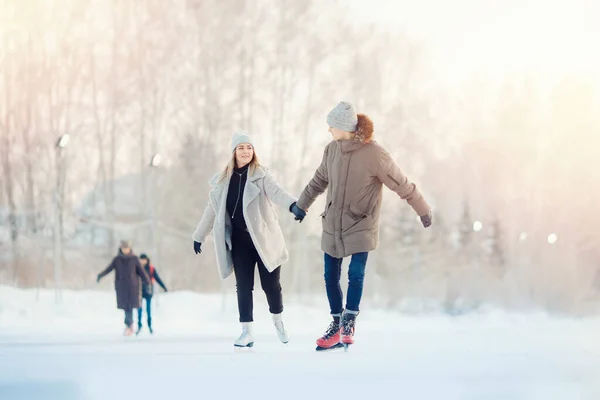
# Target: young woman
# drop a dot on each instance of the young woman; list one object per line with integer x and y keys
{"x": 148, "y": 291}
{"x": 354, "y": 168}
{"x": 246, "y": 232}
{"x": 127, "y": 273}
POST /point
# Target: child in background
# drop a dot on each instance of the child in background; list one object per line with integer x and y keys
{"x": 148, "y": 291}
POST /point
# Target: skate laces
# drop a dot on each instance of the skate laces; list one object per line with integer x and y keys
{"x": 347, "y": 327}
{"x": 331, "y": 330}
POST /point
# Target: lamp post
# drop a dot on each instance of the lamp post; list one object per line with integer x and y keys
{"x": 154, "y": 163}
{"x": 477, "y": 227}
{"x": 59, "y": 148}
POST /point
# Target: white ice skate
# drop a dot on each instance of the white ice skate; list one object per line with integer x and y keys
{"x": 281, "y": 332}
{"x": 246, "y": 339}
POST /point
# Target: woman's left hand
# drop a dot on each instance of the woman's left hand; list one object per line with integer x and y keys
{"x": 426, "y": 219}
{"x": 298, "y": 212}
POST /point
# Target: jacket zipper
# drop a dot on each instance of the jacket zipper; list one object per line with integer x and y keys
{"x": 344, "y": 201}
{"x": 239, "y": 193}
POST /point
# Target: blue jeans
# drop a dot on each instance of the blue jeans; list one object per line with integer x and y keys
{"x": 148, "y": 312}
{"x": 356, "y": 277}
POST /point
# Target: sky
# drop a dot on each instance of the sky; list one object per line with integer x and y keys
{"x": 547, "y": 38}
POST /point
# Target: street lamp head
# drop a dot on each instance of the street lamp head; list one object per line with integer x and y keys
{"x": 523, "y": 236}
{"x": 552, "y": 238}
{"x": 156, "y": 159}
{"x": 63, "y": 141}
{"x": 477, "y": 226}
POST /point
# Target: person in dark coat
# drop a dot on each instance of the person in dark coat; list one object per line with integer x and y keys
{"x": 148, "y": 291}
{"x": 127, "y": 269}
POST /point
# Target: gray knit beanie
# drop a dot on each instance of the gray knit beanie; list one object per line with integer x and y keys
{"x": 239, "y": 138}
{"x": 343, "y": 116}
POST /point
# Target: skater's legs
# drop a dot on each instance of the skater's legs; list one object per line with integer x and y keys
{"x": 149, "y": 310}
{"x": 139, "y": 312}
{"x": 244, "y": 259}
{"x": 244, "y": 281}
{"x": 129, "y": 317}
{"x": 356, "y": 277}
{"x": 271, "y": 285}
{"x": 333, "y": 271}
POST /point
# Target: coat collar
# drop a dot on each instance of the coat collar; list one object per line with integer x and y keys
{"x": 348, "y": 146}
{"x": 258, "y": 173}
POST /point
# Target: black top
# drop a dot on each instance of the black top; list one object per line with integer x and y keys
{"x": 149, "y": 290}
{"x": 235, "y": 197}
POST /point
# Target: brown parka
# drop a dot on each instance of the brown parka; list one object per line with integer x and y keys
{"x": 353, "y": 172}
{"x": 128, "y": 270}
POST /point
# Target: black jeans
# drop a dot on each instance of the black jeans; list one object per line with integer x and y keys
{"x": 356, "y": 278}
{"x": 148, "y": 311}
{"x": 245, "y": 257}
{"x": 129, "y": 318}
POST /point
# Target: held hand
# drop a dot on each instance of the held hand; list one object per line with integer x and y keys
{"x": 98, "y": 279}
{"x": 197, "y": 247}
{"x": 298, "y": 212}
{"x": 426, "y": 219}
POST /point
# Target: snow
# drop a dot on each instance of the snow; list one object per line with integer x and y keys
{"x": 75, "y": 351}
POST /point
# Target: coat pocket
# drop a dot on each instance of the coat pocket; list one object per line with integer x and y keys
{"x": 326, "y": 222}
{"x": 357, "y": 221}
{"x": 363, "y": 202}
{"x": 324, "y": 213}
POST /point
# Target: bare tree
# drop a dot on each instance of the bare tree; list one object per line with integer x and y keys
{"x": 6, "y": 125}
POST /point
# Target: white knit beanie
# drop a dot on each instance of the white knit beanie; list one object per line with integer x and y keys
{"x": 239, "y": 138}
{"x": 343, "y": 116}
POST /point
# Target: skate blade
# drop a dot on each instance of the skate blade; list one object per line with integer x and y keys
{"x": 334, "y": 347}
{"x": 240, "y": 346}
{"x": 243, "y": 349}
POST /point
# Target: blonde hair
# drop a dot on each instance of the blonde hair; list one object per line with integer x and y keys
{"x": 228, "y": 171}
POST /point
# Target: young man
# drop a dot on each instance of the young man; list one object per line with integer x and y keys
{"x": 148, "y": 291}
{"x": 354, "y": 169}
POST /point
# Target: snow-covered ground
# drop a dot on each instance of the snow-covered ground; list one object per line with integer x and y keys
{"x": 76, "y": 351}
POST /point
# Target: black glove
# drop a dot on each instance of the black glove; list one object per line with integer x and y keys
{"x": 426, "y": 219}
{"x": 165, "y": 289}
{"x": 98, "y": 279}
{"x": 197, "y": 248}
{"x": 298, "y": 212}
